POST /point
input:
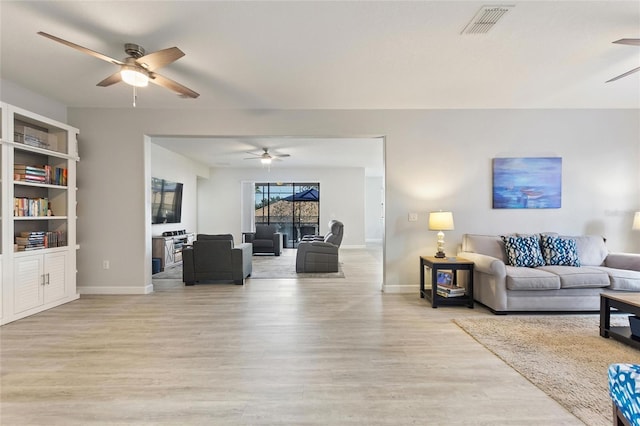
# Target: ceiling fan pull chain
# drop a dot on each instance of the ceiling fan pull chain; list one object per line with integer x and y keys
{"x": 135, "y": 95}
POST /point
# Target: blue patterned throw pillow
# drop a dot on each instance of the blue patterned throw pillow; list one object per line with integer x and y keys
{"x": 523, "y": 251}
{"x": 559, "y": 251}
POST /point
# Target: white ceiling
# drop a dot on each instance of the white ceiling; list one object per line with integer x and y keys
{"x": 330, "y": 54}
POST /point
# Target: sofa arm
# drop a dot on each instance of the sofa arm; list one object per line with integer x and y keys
{"x": 487, "y": 264}
{"x": 623, "y": 261}
{"x": 277, "y": 243}
{"x": 188, "y": 268}
{"x": 489, "y": 281}
{"x": 241, "y": 256}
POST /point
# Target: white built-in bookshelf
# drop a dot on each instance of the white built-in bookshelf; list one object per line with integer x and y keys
{"x": 38, "y": 159}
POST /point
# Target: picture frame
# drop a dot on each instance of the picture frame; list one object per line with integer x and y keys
{"x": 527, "y": 183}
{"x": 444, "y": 277}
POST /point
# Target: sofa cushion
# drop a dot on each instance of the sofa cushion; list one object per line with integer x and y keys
{"x": 591, "y": 249}
{"x": 531, "y": 279}
{"x": 622, "y": 279}
{"x": 489, "y": 245}
{"x": 578, "y": 277}
{"x": 559, "y": 251}
{"x": 523, "y": 251}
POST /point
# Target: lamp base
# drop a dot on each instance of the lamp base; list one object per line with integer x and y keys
{"x": 440, "y": 255}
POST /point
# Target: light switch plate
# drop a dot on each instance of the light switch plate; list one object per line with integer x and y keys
{"x": 413, "y": 217}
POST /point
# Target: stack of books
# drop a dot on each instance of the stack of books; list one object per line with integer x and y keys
{"x": 40, "y": 174}
{"x": 31, "y": 240}
{"x": 448, "y": 290}
{"x": 37, "y": 174}
{"x": 34, "y": 240}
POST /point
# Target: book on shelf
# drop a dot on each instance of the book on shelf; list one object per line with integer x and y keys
{"x": 448, "y": 290}
{"x": 442, "y": 293}
{"x": 451, "y": 288}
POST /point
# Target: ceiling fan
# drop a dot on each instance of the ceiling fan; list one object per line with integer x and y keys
{"x": 138, "y": 68}
{"x": 630, "y": 42}
{"x": 265, "y": 157}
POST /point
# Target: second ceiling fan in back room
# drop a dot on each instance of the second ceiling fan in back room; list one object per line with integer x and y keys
{"x": 137, "y": 69}
{"x": 266, "y": 158}
{"x": 630, "y": 42}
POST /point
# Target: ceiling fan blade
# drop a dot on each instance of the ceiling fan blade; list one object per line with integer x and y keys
{"x": 253, "y": 158}
{"x": 281, "y": 155}
{"x": 112, "y": 79}
{"x": 624, "y": 75}
{"x": 629, "y": 41}
{"x": 159, "y": 59}
{"x": 82, "y": 49}
{"x": 172, "y": 85}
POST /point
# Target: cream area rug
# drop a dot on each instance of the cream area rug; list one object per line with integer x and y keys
{"x": 563, "y": 355}
{"x": 264, "y": 267}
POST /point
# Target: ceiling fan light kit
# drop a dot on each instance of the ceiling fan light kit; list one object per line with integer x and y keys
{"x": 134, "y": 77}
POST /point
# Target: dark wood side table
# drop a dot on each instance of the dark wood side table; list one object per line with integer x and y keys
{"x": 453, "y": 264}
{"x": 622, "y": 302}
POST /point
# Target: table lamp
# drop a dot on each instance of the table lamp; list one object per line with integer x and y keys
{"x": 440, "y": 221}
{"x": 636, "y": 222}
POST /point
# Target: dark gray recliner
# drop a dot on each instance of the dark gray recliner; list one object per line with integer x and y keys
{"x": 321, "y": 256}
{"x": 334, "y": 236}
{"x": 215, "y": 258}
{"x": 266, "y": 239}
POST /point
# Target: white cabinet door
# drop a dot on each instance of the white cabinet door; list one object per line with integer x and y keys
{"x": 55, "y": 267}
{"x": 28, "y": 283}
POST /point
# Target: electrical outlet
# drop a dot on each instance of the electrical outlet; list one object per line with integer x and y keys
{"x": 105, "y": 264}
{"x": 413, "y": 217}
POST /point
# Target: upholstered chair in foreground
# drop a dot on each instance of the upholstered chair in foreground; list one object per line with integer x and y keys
{"x": 215, "y": 258}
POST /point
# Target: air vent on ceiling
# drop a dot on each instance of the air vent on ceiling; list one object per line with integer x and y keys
{"x": 485, "y": 19}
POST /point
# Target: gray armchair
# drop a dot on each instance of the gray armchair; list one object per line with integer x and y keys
{"x": 214, "y": 258}
{"x": 321, "y": 256}
{"x": 266, "y": 239}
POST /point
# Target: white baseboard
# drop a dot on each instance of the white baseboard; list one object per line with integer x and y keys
{"x": 400, "y": 289}
{"x": 373, "y": 240}
{"x": 115, "y": 290}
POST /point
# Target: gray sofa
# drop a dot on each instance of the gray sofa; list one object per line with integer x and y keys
{"x": 549, "y": 287}
{"x": 214, "y": 258}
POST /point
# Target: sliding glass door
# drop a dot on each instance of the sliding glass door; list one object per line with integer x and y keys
{"x": 293, "y": 207}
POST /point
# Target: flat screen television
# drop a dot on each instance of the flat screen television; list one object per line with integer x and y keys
{"x": 166, "y": 201}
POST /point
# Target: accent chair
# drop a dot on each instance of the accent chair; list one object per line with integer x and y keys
{"x": 266, "y": 239}
{"x": 215, "y": 258}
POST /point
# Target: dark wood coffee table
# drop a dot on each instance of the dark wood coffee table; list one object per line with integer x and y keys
{"x": 622, "y": 302}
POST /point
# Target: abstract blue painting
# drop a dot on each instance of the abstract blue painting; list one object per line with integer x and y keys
{"x": 527, "y": 183}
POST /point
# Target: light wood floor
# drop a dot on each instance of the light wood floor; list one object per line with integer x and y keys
{"x": 272, "y": 352}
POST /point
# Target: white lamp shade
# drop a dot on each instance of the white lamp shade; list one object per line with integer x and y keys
{"x": 636, "y": 222}
{"x": 441, "y": 221}
{"x": 134, "y": 77}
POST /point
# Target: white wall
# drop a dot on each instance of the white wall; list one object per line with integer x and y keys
{"x": 435, "y": 159}
{"x": 166, "y": 164}
{"x": 342, "y": 193}
{"x": 374, "y": 209}
{"x": 22, "y": 97}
